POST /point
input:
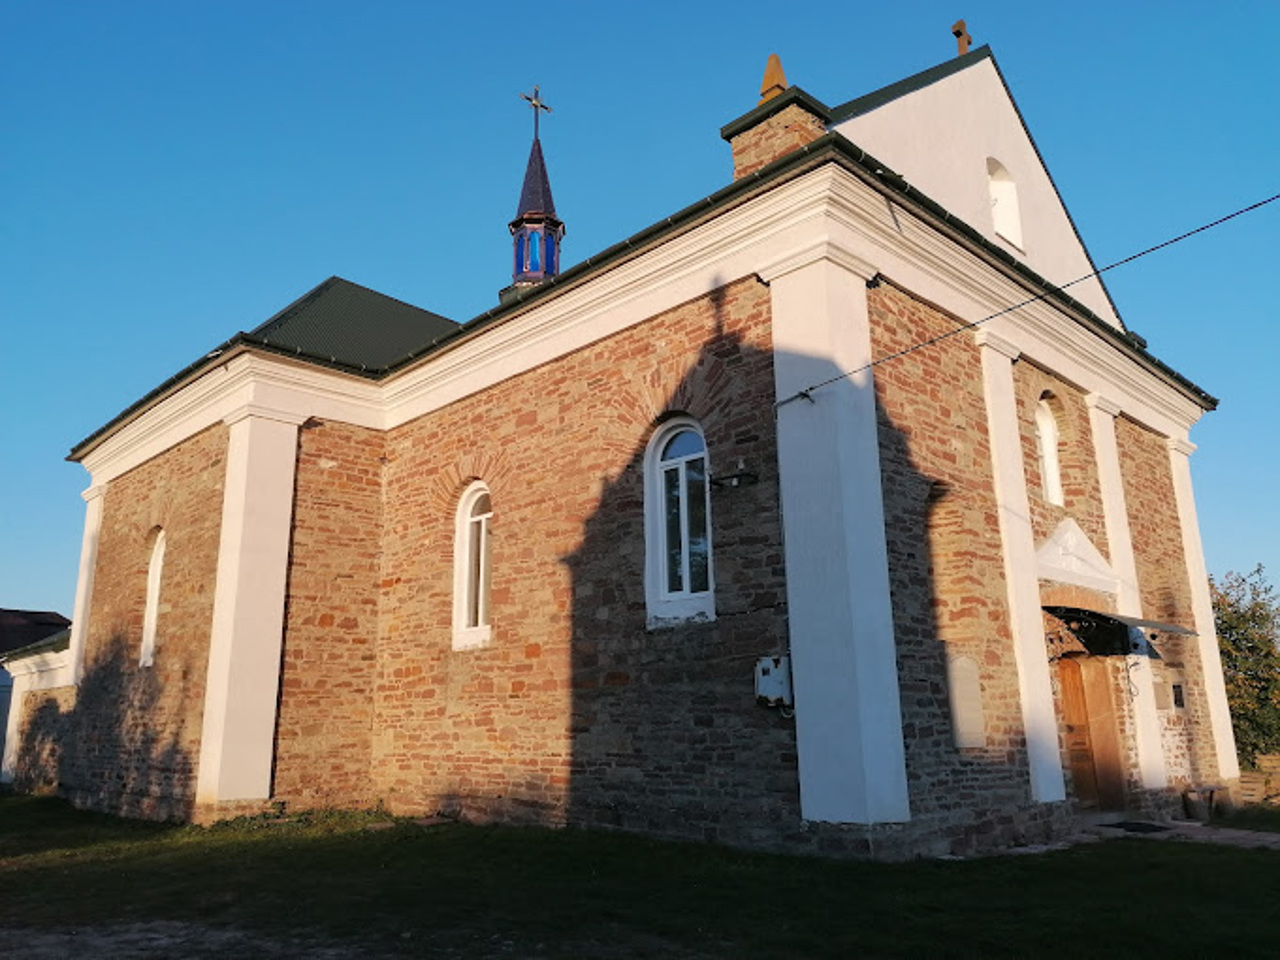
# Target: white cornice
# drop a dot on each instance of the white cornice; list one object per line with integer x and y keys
{"x": 825, "y": 213}
{"x": 263, "y": 412}
{"x": 925, "y": 261}
{"x": 34, "y": 664}
{"x": 1102, "y": 404}
{"x": 819, "y": 250}
{"x": 991, "y": 339}
{"x": 1180, "y": 445}
{"x": 261, "y": 384}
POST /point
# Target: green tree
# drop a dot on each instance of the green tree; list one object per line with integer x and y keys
{"x": 1247, "y": 615}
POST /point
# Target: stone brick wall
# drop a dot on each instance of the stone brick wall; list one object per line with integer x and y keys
{"x": 329, "y": 667}
{"x": 947, "y": 576}
{"x": 1081, "y": 489}
{"x": 1166, "y": 596}
{"x": 42, "y": 730}
{"x": 131, "y": 739}
{"x": 575, "y": 711}
{"x": 787, "y": 130}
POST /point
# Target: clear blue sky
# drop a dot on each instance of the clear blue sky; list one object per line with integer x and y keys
{"x": 174, "y": 172}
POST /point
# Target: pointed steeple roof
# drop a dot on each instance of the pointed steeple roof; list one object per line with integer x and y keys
{"x": 535, "y": 195}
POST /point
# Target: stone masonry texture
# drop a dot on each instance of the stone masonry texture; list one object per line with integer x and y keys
{"x": 787, "y": 130}
{"x": 329, "y": 668}
{"x": 1166, "y": 596}
{"x": 130, "y": 736}
{"x": 947, "y": 581}
{"x": 575, "y": 710}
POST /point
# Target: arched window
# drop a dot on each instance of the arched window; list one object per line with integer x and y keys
{"x": 679, "y": 582}
{"x": 1005, "y": 216}
{"x": 151, "y": 612}
{"x": 1047, "y": 439}
{"x": 471, "y": 550}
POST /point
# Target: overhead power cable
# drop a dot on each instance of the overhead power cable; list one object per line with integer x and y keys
{"x": 807, "y": 391}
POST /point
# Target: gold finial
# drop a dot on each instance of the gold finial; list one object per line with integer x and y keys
{"x": 775, "y": 81}
{"x": 962, "y": 38}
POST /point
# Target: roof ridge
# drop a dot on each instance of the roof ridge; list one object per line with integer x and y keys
{"x": 310, "y": 296}
{"x": 387, "y": 296}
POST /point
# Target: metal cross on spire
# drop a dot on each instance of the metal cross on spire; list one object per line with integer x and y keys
{"x": 535, "y": 101}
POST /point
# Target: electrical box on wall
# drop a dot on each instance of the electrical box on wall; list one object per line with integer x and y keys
{"x": 773, "y": 681}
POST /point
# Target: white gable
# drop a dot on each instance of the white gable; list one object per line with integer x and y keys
{"x": 941, "y": 137}
{"x": 1069, "y": 556}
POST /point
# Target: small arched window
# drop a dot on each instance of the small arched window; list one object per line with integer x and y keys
{"x": 1005, "y": 215}
{"x": 1047, "y": 441}
{"x": 679, "y": 578}
{"x": 471, "y": 573}
{"x": 535, "y": 251}
{"x": 151, "y": 612}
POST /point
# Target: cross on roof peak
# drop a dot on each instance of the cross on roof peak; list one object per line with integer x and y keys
{"x": 535, "y": 103}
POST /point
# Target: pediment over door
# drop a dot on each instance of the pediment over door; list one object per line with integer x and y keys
{"x": 1069, "y": 556}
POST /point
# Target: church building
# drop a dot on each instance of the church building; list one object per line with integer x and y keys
{"x": 837, "y": 512}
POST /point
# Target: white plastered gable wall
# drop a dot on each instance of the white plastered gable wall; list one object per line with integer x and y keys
{"x": 939, "y": 139}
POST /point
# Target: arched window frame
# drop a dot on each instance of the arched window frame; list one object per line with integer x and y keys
{"x": 1048, "y": 439}
{"x": 1006, "y": 216}
{"x": 472, "y": 552}
{"x": 151, "y": 610}
{"x": 667, "y": 606}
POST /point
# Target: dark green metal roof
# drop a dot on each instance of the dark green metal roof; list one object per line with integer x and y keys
{"x": 351, "y": 325}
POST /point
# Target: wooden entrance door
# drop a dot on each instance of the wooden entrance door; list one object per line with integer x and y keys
{"x": 1075, "y": 710}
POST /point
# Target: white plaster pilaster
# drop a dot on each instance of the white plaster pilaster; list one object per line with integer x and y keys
{"x": 1115, "y": 513}
{"x": 93, "y": 500}
{"x": 236, "y": 744}
{"x": 848, "y": 717}
{"x": 1224, "y": 740}
{"x": 1018, "y": 539}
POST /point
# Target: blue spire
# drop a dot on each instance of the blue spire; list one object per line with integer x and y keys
{"x": 535, "y": 232}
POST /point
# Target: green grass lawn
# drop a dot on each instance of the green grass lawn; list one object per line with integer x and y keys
{"x": 483, "y": 891}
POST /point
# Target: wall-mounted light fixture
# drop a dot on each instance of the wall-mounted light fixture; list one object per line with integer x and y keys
{"x": 742, "y": 478}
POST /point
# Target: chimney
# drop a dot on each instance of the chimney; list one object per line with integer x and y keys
{"x": 786, "y": 119}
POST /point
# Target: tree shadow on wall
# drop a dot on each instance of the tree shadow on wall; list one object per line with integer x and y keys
{"x": 666, "y": 734}
{"x": 106, "y": 751}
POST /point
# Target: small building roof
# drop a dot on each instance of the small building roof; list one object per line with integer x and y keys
{"x": 18, "y": 628}
{"x": 50, "y": 644}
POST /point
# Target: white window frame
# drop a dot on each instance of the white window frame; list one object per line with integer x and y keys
{"x": 665, "y": 607}
{"x": 151, "y": 612}
{"x": 472, "y": 583}
{"x": 1048, "y": 439}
